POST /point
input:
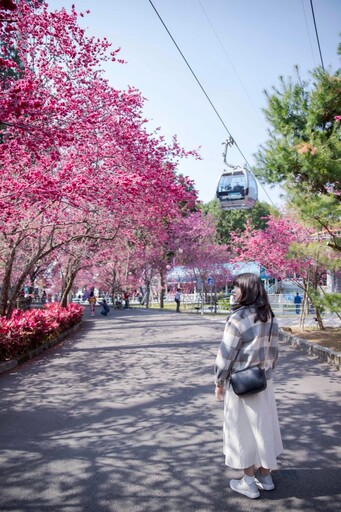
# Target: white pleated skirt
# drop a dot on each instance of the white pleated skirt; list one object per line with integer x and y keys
{"x": 251, "y": 430}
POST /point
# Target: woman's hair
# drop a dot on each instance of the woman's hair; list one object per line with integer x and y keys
{"x": 253, "y": 294}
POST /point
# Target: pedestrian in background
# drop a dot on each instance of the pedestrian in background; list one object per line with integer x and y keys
{"x": 126, "y": 300}
{"x": 177, "y": 299}
{"x": 105, "y": 307}
{"x": 251, "y": 434}
{"x": 92, "y": 301}
{"x": 297, "y": 302}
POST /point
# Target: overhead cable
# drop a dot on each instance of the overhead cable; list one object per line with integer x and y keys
{"x": 197, "y": 80}
{"x": 317, "y": 36}
{"x": 229, "y": 60}
{"x": 308, "y": 33}
{"x": 206, "y": 95}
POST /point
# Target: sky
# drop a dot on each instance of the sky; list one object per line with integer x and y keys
{"x": 236, "y": 48}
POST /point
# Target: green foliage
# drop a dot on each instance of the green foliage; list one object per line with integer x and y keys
{"x": 323, "y": 211}
{"x": 327, "y": 302}
{"x": 235, "y": 220}
{"x": 304, "y": 147}
{"x": 10, "y": 72}
{"x": 319, "y": 253}
{"x": 303, "y": 153}
{"x": 288, "y": 109}
{"x": 224, "y": 304}
{"x": 332, "y": 302}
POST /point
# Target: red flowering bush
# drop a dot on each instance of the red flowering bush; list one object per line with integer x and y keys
{"x": 26, "y": 330}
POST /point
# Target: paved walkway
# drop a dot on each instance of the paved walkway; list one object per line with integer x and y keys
{"x": 121, "y": 417}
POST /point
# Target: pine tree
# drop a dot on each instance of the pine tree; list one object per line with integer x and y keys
{"x": 303, "y": 153}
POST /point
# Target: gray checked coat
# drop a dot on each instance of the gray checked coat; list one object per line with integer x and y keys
{"x": 241, "y": 332}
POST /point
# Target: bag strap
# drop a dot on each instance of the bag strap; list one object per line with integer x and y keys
{"x": 272, "y": 321}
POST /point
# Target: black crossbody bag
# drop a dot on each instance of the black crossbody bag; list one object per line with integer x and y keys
{"x": 250, "y": 380}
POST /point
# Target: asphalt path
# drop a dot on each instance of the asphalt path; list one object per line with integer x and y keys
{"x": 121, "y": 417}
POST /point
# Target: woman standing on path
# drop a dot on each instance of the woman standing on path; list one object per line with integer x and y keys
{"x": 251, "y": 432}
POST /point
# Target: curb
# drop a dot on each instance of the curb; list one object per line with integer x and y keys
{"x": 326, "y": 354}
{"x": 9, "y": 365}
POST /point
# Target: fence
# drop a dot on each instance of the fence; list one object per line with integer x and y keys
{"x": 282, "y": 304}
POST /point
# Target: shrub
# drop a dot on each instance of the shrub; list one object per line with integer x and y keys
{"x": 26, "y": 330}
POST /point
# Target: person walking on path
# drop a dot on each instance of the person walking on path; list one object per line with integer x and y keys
{"x": 251, "y": 433}
{"x": 297, "y": 302}
{"x": 177, "y": 299}
{"x": 92, "y": 301}
{"x": 126, "y": 300}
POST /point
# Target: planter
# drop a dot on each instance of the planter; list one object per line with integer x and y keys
{"x": 30, "y": 354}
{"x": 326, "y": 354}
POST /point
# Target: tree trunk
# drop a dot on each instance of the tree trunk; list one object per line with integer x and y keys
{"x": 9, "y": 294}
{"x": 8, "y": 298}
{"x": 319, "y": 319}
{"x": 67, "y": 288}
{"x": 147, "y": 293}
{"x": 113, "y": 287}
{"x": 317, "y": 308}
{"x": 162, "y": 290}
{"x": 71, "y": 272}
{"x": 5, "y": 285}
{"x": 14, "y": 295}
{"x": 315, "y": 301}
{"x": 304, "y": 305}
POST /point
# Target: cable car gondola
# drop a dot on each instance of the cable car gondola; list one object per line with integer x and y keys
{"x": 237, "y": 189}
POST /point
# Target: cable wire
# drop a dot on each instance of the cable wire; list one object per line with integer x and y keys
{"x": 229, "y": 60}
{"x": 308, "y": 32}
{"x": 317, "y": 36}
{"x": 196, "y": 78}
{"x": 206, "y": 95}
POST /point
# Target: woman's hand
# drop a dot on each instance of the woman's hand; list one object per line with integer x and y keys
{"x": 219, "y": 392}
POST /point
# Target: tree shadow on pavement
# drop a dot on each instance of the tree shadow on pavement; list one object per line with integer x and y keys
{"x": 123, "y": 419}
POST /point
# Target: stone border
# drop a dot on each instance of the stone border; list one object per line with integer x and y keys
{"x": 30, "y": 354}
{"x": 326, "y": 354}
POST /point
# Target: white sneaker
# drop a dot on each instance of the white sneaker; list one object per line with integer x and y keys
{"x": 264, "y": 482}
{"x": 249, "y": 490}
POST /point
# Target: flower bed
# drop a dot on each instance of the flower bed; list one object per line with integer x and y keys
{"x": 27, "y": 330}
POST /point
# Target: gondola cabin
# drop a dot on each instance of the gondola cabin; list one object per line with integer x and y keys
{"x": 237, "y": 189}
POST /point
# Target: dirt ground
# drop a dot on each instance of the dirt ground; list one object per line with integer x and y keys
{"x": 330, "y": 337}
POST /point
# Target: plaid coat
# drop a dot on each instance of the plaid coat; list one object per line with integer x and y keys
{"x": 252, "y": 338}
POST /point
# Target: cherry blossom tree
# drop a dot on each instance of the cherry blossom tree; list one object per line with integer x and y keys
{"x": 77, "y": 162}
{"x": 286, "y": 249}
{"x": 202, "y": 256}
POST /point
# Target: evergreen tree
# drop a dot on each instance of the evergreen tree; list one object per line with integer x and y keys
{"x": 228, "y": 221}
{"x": 303, "y": 153}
